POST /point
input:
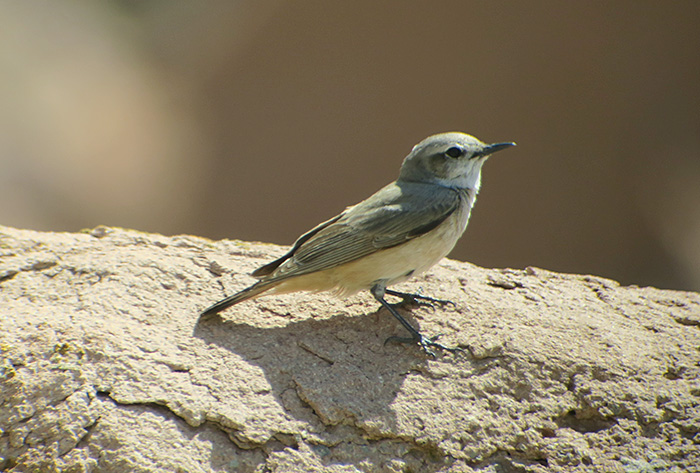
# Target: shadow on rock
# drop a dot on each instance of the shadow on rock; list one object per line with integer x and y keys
{"x": 335, "y": 379}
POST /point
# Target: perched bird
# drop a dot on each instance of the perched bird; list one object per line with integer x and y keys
{"x": 397, "y": 233}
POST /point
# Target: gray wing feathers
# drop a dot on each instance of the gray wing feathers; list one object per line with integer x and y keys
{"x": 270, "y": 267}
{"x": 395, "y": 214}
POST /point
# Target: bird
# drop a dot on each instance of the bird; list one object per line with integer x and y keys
{"x": 396, "y": 234}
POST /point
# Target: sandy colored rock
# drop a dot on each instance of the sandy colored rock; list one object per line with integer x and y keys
{"x": 103, "y": 368}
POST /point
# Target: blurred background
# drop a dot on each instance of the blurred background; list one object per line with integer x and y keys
{"x": 256, "y": 120}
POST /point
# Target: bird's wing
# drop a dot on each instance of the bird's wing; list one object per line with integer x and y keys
{"x": 270, "y": 267}
{"x": 394, "y": 215}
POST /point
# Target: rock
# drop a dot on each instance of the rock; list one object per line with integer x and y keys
{"x": 103, "y": 368}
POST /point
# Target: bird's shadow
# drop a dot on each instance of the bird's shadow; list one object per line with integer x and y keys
{"x": 329, "y": 373}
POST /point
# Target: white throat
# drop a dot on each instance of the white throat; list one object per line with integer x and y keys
{"x": 471, "y": 181}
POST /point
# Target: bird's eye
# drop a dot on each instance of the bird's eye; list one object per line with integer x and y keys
{"x": 454, "y": 152}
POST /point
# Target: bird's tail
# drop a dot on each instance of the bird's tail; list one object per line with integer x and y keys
{"x": 247, "y": 293}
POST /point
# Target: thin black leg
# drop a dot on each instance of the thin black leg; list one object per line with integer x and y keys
{"x": 426, "y": 344}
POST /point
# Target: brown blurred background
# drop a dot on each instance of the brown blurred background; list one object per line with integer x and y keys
{"x": 257, "y": 120}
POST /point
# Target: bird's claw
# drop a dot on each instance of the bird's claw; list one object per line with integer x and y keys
{"x": 419, "y": 299}
{"x": 426, "y": 344}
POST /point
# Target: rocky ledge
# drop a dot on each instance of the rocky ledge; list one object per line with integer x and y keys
{"x": 104, "y": 369}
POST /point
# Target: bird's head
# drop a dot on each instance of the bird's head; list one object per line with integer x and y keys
{"x": 449, "y": 159}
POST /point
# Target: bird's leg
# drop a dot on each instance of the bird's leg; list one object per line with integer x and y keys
{"x": 419, "y": 299}
{"x": 427, "y": 344}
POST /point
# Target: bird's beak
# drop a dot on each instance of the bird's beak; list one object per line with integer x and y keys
{"x": 490, "y": 149}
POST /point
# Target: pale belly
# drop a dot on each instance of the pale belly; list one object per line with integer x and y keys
{"x": 391, "y": 266}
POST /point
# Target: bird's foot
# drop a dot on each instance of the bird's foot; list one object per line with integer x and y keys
{"x": 427, "y": 344}
{"x": 419, "y": 299}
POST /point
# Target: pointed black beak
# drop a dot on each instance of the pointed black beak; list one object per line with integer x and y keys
{"x": 490, "y": 149}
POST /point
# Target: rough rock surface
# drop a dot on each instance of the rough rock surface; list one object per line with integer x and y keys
{"x": 103, "y": 369}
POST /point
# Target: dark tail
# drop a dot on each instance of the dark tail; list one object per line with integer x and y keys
{"x": 245, "y": 294}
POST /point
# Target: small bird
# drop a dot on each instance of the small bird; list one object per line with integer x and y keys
{"x": 397, "y": 233}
